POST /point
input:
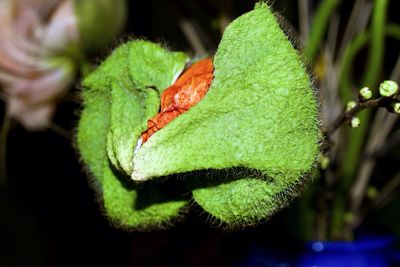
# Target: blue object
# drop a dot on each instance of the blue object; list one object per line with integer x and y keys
{"x": 365, "y": 252}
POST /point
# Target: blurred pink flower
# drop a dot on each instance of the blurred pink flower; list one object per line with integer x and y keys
{"x": 35, "y": 70}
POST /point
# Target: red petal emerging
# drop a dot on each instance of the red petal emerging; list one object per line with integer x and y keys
{"x": 188, "y": 90}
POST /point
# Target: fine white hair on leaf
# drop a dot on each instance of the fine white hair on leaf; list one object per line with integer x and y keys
{"x": 138, "y": 145}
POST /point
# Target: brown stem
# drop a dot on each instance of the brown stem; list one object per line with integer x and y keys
{"x": 382, "y": 199}
{"x": 387, "y": 191}
{"x": 379, "y": 102}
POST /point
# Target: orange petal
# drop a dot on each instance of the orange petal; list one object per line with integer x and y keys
{"x": 188, "y": 90}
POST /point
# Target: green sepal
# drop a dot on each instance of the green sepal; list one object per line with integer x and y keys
{"x": 259, "y": 115}
{"x": 116, "y": 110}
{"x": 130, "y": 110}
{"x": 139, "y": 207}
{"x": 94, "y": 121}
{"x": 133, "y": 105}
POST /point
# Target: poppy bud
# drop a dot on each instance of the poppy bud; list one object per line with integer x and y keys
{"x": 236, "y": 153}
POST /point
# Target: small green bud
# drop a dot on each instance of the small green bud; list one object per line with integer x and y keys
{"x": 349, "y": 217}
{"x": 324, "y": 162}
{"x": 365, "y": 93}
{"x": 355, "y": 122}
{"x": 372, "y": 192}
{"x": 350, "y": 105}
{"x": 395, "y": 106}
{"x": 388, "y": 88}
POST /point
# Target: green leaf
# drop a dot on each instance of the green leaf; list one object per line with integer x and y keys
{"x": 260, "y": 114}
{"x": 116, "y": 109}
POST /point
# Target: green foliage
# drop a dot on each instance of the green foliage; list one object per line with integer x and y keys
{"x": 243, "y": 151}
{"x": 320, "y": 23}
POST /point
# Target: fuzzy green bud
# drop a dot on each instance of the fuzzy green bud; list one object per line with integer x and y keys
{"x": 350, "y": 105}
{"x": 99, "y": 21}
{"x": 365, "y": 93}
{"x": 324, "y": 162}
{"x": 372, "y": 192}
{"x": 355, "y": 122}
{"x": 388, "y": 88}
{"x": 396, "y": 107}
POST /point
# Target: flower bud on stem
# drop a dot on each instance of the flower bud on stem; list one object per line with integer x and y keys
{"x": 355, "y": 122}
{"x": 350, "y": 105}
{"x": 364, "y": 94}
{"x": 349, "y": 115}
{"x": 388, "y": 88}
{"x": 324, "y": 161}
{"x": 394, "y": 106}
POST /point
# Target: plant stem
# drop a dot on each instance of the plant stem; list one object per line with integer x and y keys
{"x": 59, "y": 130}
{"x": 387, "y": 191}
{"x": 350, "y": 53}
{"x": 351, "y": 113}
{"x": 320, "y": 23}
{"x": 392, "y": 30}
{"x": 3, "y": 149}
{"x": 304, "y": 15}
{"x": 357, "y": 137}
{"x": 356, "y": 23}
{"x": 337, "y": 224}
{"x": 384, "y": 196}
{"x": 335, "y": 230}
{"x": 189, "y": 30}
{"x": 375, "y": 57}
{"x": 381, "y": 128}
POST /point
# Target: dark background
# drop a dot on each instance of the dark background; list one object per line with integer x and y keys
{"x": 48, "y": 215}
